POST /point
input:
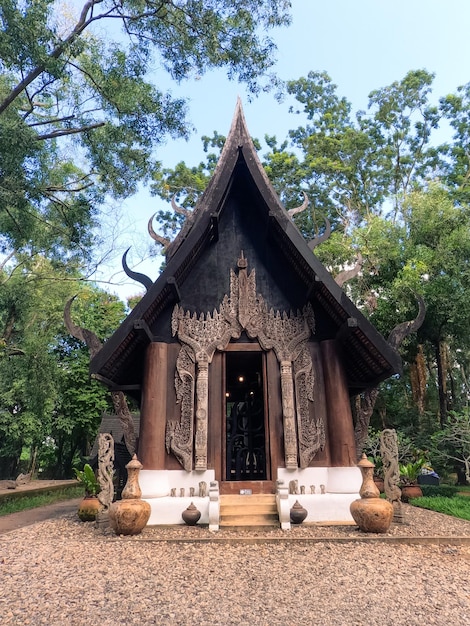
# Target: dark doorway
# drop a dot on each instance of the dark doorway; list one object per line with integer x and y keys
{"x": 245, "y": 416}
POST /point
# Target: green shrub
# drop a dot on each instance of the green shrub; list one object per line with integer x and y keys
{"x": 458, "y": 506}
{"x": 446, "y": 491}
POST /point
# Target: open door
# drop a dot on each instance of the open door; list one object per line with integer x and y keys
{"x": 246, "y": 449}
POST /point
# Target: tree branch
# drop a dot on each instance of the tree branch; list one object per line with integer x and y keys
{"x": 80, "y": 26}
{"x": 68, "y": 131}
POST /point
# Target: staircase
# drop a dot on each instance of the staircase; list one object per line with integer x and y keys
{"x": 254, "y": 510}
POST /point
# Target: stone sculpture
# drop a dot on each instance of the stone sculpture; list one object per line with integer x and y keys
{"x": 105, "y": 469}
{"x": 294, "y": 487}
{"x": 389, "y": 452}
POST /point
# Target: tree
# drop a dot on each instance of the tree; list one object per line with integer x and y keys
{"x": 79, "y": 117}
{"x": 452, "y": 444}
{"x": 396, "y": 198}
{"x": 47, "y": 401}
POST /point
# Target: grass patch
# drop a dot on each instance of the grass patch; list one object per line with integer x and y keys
{"x": 26, "y": 502}
{"x": 457, "y": 506}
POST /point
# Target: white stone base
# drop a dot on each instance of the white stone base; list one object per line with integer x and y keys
{"x": 167, "y": 510}
{"x": 340, "y": 485}
{"x": 156, "y": 486}
{"x": 330, "y": 507}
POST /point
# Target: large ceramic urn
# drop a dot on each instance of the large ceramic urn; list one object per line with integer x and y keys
{"x": 130, "y": 515}
{"x": 371, "y": 513}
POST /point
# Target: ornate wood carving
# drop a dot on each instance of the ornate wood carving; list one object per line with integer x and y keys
{"x": 311, "y": 430}
{"x": 179, "y": 435}
{"x": 286, "y": 334}
{"x": 106, "y": 468}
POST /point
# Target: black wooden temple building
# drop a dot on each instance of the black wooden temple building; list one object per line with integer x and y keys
{"x": 244, "y": 353}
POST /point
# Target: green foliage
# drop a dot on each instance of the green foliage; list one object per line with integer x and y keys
{"x": 409, "y": 472}
{"x": 444, "y": 491}
{"x": 451, "y": 444}
{"x": 80, "y": 119}
{"x": 457, "y": 506}
{"x": 88, "y": 479}
{"x": 47, "y": 400}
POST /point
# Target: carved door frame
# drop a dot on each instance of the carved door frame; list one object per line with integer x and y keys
{"x": 201, "y": 335}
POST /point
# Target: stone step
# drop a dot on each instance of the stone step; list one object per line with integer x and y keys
{"x": 250, "y": 510}
{"x": 249, "y": 520}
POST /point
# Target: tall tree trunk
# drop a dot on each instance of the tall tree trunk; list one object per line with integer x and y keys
{"x": 441, "y": 382}
{"x": 418, "y": 381}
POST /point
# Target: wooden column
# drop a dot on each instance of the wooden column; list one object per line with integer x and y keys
{"x": 153, "y": 409}
{"x": 340, "y": 421}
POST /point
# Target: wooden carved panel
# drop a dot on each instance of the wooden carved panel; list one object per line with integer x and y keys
{"x": 179, "y": 435}
{"x": 286, "y": 334}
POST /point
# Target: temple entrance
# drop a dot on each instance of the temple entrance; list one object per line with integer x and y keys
{"x": 245, "y": 414}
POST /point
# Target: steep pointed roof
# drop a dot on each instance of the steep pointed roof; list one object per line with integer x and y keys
{"x": 367, "y": 357}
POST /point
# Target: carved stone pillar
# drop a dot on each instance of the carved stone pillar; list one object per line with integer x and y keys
{"x": 340, "y": 421}
{"x": 288, "y": 410}
{"x": 153, "y": 410}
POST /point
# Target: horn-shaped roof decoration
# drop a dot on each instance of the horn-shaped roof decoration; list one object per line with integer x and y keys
{"x": 240, "y": 208}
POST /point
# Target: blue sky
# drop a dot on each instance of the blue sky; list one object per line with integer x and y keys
{"x": 362, "y": 44}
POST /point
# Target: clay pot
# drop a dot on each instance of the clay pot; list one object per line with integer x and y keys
{"x": 191, "y": 515}
{"x": 298, "y": 513}
{"x": 410, "y": 491}
{"x": 89, "y": 508}
{"x": 130, "y": 515}
{"x": 371, "y": 513}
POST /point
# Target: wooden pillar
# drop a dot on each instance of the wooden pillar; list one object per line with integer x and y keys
{"x": 153, "y": 408}
{"x": 340, "y": 421}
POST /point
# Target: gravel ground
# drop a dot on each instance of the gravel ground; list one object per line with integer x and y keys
{"x": 64, "y": 572}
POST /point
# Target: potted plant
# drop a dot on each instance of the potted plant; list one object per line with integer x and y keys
{"x": 409, "y": 473}
{"x": 90, "y": 506}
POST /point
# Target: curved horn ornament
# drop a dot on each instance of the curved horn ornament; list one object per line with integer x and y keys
{"x": 299, "y": 209}
{"x": 398, "y": 334}
{"x": 137, "y": 276}
{"x": 179, "y": 209}
{"x": 318, "y": 240}
{"x": 346, "y": 275}
{"x": 155, "y": 236}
